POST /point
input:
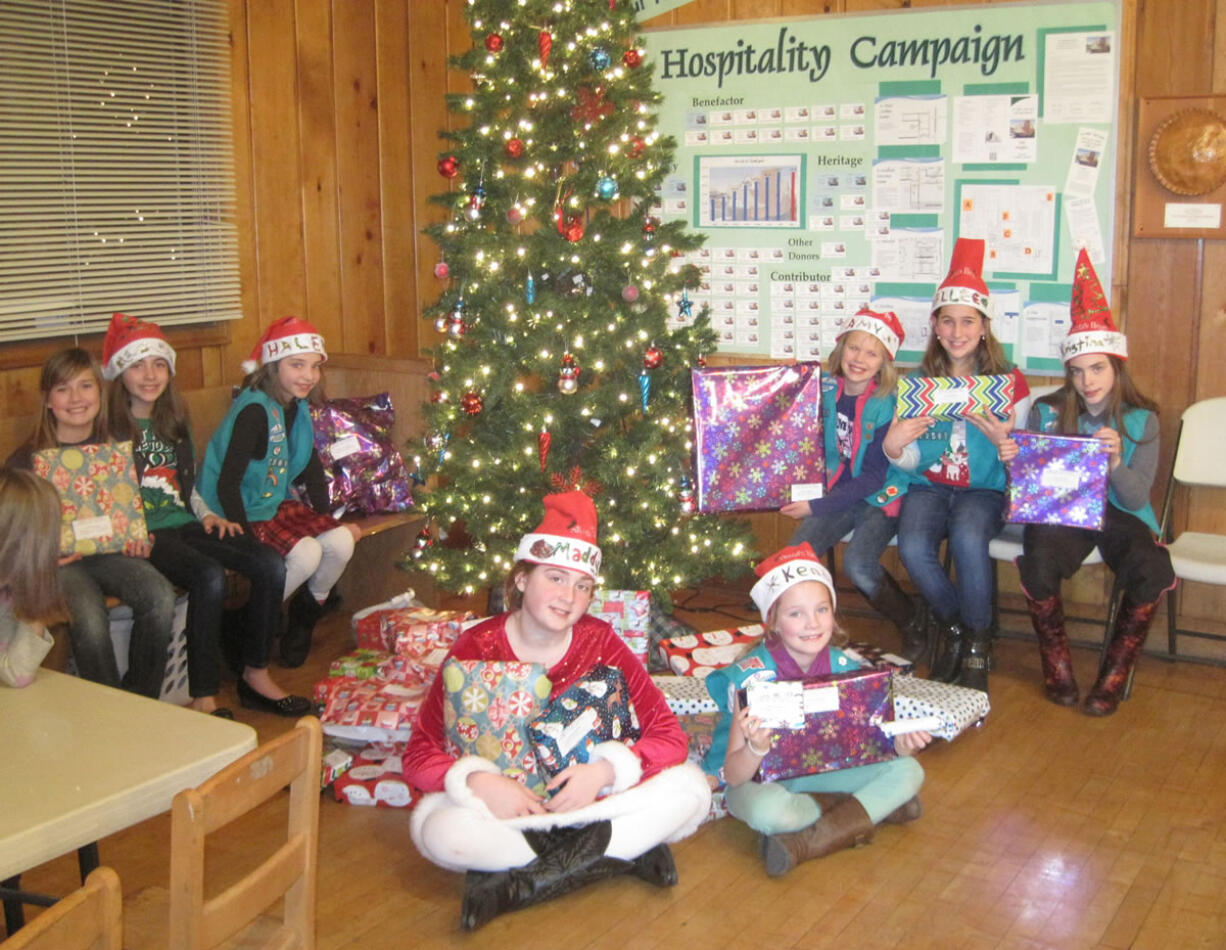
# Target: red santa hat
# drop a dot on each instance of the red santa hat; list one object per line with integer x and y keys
{"x": 964, "y": 282}
{"x": 128, "y": 341}
{"x": 286, "y": 337}
{"x": 885, "y": 326}
{"x": 1092, "y": 330}
{"x": 566, "y": 536}
{"x": 787, "y": 568}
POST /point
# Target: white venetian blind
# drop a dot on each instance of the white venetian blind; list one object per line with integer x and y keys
{"x": 116, "y": 165}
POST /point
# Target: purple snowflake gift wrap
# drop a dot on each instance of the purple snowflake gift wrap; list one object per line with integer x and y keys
{"x": 1058, "y": 479}
{"x": 363, "y": 468}
{"x": 757, "y": 432}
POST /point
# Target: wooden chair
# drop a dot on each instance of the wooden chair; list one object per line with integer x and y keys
{"x": 90, "y": 918}
{"x": 235, "y": 915}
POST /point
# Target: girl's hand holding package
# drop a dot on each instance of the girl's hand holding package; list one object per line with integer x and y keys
{"x": 909, "y": 743}
{"x": 903, "y": 432}
{"x": 1111, "y": 439}
{"x": 504, "y": 796}
{"x": 578, "y": 785}
{"x": 997, "y": 430}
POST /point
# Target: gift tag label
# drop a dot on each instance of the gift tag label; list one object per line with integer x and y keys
{"x": 955, "y": 394}
{"x": 578, "y": 730}
{"x": 344, "y": 447}
{"x": 806, "y": 491}
{"x": 820, "y": 699}
{"x": 1060, "y": 479}
{"x": 778, "y": 705}
{"x": 84, "y": 529}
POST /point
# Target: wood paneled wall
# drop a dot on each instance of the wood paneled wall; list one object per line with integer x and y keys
{"x": 337, "y": 105}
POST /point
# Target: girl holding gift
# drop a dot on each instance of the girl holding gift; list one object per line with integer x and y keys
{"x": 192, "y": 550}
{"x": 1100, "y": 399}
{"x": 610, "y": 815}
{"x": 265, "y": 443}
{"x": 956, "y": 478}
{"x": 74, "y": 414}
{"x": 857, "y": 406}
{"x": 810, "y": 816}
{"x": 29, "y": 587}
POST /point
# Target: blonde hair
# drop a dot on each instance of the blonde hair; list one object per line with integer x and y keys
{"x": 989, "y": 356}
{"x": 30, "y": 545}
{"x": 887, "y": 375}
{"x": 60, "y": 368}
{"x": 838, "y": 636}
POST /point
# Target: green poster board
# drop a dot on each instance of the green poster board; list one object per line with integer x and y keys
{"x": 832, "y": 161}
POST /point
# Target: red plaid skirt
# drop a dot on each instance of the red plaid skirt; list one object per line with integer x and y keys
{"x": 292, "y": 522}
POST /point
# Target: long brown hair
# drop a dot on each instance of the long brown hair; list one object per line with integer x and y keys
{"x": 989, "y": 356}
{"x": 169, "y": 417}
{"x": 60, "y": 368}
{"x": 30, "y": 545}
{"x": 1124, "y": 395}
{"x": 265, "y": 380}
{"x": 887, "y": 375}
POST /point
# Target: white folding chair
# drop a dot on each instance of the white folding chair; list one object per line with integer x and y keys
{"x": 1200, "y": 460}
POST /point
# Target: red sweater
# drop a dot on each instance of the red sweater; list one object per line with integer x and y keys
{"x": 663, "y": 743}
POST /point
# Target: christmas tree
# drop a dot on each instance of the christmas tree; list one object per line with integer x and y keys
{"x": 568, "y": 333}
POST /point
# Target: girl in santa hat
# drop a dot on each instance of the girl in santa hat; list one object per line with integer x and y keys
{"x": 857, "y": 406}
{"x": 193, "y": 545}
{"x": 266, "y": 443}
{"x": 1098, "y": 398}
{"x": 609, "y": 815}
{"x": 956, "y": 477}
{"x": 810, "y": 816}
{"x": 74, "y": 413}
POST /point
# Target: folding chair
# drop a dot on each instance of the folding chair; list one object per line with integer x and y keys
{"x": 90, "y": 918}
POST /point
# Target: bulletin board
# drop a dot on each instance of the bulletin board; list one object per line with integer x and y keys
{"x": 832, "y": 162}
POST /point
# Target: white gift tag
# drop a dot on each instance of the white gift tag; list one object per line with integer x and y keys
{"x": 343, "y": 448}
{"x": 1061, "y": 479}
{"x": 84, "y": 529}
{"x": 806, "y": 491}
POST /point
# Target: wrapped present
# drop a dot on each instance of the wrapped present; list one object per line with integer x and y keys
{"x": 869, "y": 654}
{"x": 590, "y": 711}
{"x": 368, "y": 709}
{"x": 685, "y": 695}
{"x": 374, "y": 779}
{"x": 757, "y": 433}
{"x": 627, "y": 612}
{"x": 334, "y": 763}
{"x": 699, "y": 729}
{"x": 698, "y": 654}
{"x": 486, "y": 711}
{"x": 1058, "y": 479}
{"x": 360, "y": 664}
{"x": 419, "y": 635}
{"x": 955, "y": 397}
{"x": 363, "y": 467}
{"x": 824, "y": 724}
{"x": 100, "y": 502}
{"x": 956, "y": 706}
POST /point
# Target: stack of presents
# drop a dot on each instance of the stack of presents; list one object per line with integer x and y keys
{"x": 369, "y": 700}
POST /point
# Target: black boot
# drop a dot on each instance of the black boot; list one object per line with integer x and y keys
{"x": 567, "y": 859}
{"x": 951, "y": 642}
{"x": 304, "y": 612}
{"x": 977, "y": 661}
{"x": 893, "y": 603}
{"x": 656, "y": 866}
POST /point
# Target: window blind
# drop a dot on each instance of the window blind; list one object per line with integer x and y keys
{"x": 116, "y": 165}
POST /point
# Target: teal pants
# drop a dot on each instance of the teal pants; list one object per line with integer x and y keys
{"x": 774, "y": 808}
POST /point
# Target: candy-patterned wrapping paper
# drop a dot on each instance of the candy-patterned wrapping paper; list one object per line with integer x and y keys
{"x": 100, "y": 502}
{"x": 363, "y": 468}
{"x": 757, "y": 432}
{"x": 1058, "y": 479}
{"x": 955, "y": 397}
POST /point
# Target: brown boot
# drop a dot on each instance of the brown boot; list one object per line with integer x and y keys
{"x": 907, "y": 811}
{"x": 846, "y": 825}
{"x": 1127, "y": 638}
{"x": 893, "y": 603}
{"x": 1047, "y": 618}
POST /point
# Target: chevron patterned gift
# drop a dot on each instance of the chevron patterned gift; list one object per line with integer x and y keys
{"x": 757, "y": 432}
{"x": 955, "y": 397}
{"x": 1058, "y": 479}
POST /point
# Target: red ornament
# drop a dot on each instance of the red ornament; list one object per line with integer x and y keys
{"x": 568, "y": 376}
{"x": 632, "y": 58}
{"x": 630, "y": 293}
{"x": 569, "y": 226}
{"x": 542, "y": 447}
{"x": 653, "y": 357}
{"x": 514, "y": 148}
{"x": 637, "y": 146}
{"x": 649, "y": 228}
{"x": 493, "y": 43}
{"x": 515, "y": 214}
{"x": 441, "y": 270}
{"x": 449, "y": 166}
{"x": 471, "y": 403}
{"x": 592, "y": 105}
{"x": 544, "y": 43}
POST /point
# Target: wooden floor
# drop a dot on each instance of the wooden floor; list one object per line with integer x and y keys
{"x": 1044, "y": 828}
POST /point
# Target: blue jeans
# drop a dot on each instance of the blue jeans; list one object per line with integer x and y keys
{"x": 86, "y": 584}
{"x": 970, "y": 518}
{"x": 871, "y": 530}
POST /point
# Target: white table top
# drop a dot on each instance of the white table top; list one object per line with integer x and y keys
{"x": 80, "y": 761}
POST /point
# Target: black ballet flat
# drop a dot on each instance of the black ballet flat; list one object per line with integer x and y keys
{"x": 288, "y": 706}
{"x": 221, "y": 712}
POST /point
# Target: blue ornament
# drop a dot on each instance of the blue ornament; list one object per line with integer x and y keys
{"x": 685, "y": 306}
{"x": 644, "y": 389}
{"x": 599, "y": 59}
{"x": 530, "y": 289}
{"x": 606, "y": 187}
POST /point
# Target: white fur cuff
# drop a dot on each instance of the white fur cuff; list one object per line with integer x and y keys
{"x": 627, "y": 767}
